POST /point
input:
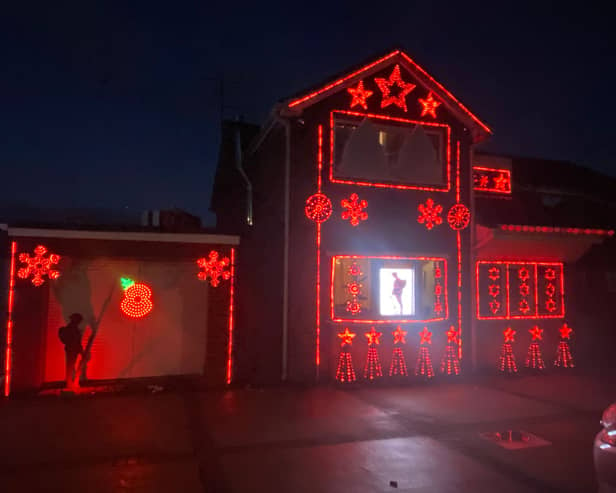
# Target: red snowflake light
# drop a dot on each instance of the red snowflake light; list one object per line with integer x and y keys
{"x": 429, "y": 106}
{"x": 550, "y": 290}
{"x": 509, "y": 334}
{"x": 425, "y": 336}
{"x": 458, "y": 217}
{"x": 524, "y": 289}
{"x": 354, "y": 288}
{"x": 523, "y": 274}
{"x": 494, "y": 306}
{"x": 430, "y": 214}
{"x": 394, "y": 80}
{"x": 38, "y": 266}
{"x": 353, "y": 307}
{"x": 214, "y": 268}
{"x": 523, "y": 307}
{"x": 550, "y": 274}
{"x": 354, "y": 269}
{"x": 346, "y": 336}
{"x": 550, "y": 305}
{"x": 494, "y": 273}
{"x": 399, "y": 336}
{"x": 536, "y": 332}
{"x": 137, "y": 300}
{"x": 354, "y": 209}
{"x": 483, "y": 181}
{"x": 494, "y": 290}
{"x": 318, "y": 208}
{"x": 359, "y": 95}
{"x": 373, "y": 336}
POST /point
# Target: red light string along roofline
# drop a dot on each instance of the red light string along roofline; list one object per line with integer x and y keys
{"x": 387, "y": 185}
{"x": 528, "y": 263}
{"x": 341, "y": 80}
{"x": 229, "y": 375}
{"x": 318, "y": 252}
{"x": 551, "y": 229}
{"x": 385, "y": 321}
{"x": 459, "y": 247}
{"x": 8, "y": 366}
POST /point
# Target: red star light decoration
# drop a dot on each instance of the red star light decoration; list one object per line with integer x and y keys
{"x": 214, "y": 268}
{"x": 354, "y": 209}
{"x": 373, "y": 336}
{"x": 565, "y": 331}
{"x": 509, "y": 333}
{"x": 426, "y": 336}
{"x": 359, "y": 95}
{"x": 429, "y": 214}
{"x": 346, "y": 336}
{"x": 386, "y": 85}
{"x": 38, "y": 266}
{"x": 399, "y": 336}
{"x": 429, "y": 106}
{"x": 452, "y": 334}
{"x": 536, "y": 332}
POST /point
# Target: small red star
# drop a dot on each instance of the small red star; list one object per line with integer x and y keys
{"x": 399, "y": 335}
{"x": 359, "y": 95}
{"x": 346, "y": 336}
{"x": 565, "y": 331}
{"x": 536, "y": 333}
{"x": 429, "y": 106}
{"x": 385, "y": 86}
{"x": 509, "y": 333}
{"x": 373, "y": 336}
{"x": 452, "y": 334}
{"x": 426, "y": 336}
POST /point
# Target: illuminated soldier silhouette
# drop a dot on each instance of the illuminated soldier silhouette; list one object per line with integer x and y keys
{"x": 399, "y": 285}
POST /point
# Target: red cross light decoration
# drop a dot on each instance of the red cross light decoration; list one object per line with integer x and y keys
{"x": 425, "y": 336}
{"x": 386, "y": 85}
{"x": 429, "y": 106}
{"x": 458, "y": 217}
{"x": 359, "y": 95}
{"x": 38, "y": 266}
{"x": 535, "y": 332}
{"x": 373, "y": 336}
{"x": 509, "y": 333}
{"x": 354, "y": 209}
{"x": 430, "y": 214}
{"x": 399, "y": 336}
{"x": 346, "y": 336}
{"x": 318, "y": 208}
{"x": 214, "y": 268}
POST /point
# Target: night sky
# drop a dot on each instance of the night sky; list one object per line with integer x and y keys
{"x": 115, "y": 106}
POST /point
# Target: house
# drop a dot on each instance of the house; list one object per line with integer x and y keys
{"x": 376, "y": 234}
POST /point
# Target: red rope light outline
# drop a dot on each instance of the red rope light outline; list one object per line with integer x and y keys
{"x": 8, "y": 363}
{"x": 387, "y": 321}
{"x": 530, "y": 263}
{"x": 318, "y": 240}
{"x": 459, "y": 252}
{"x": 493, "y": 189}
{"x": 549, "y": 229}
{"x": 387, "y": 185}
{"x": 229, "y": 375}
{"x": 377, "y": 62}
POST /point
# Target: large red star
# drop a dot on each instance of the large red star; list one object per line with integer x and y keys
{"x": 399, "y": 335}
{"x": 565, "y": 331}
{"x": 452, "y": 334}
{"x": 385, "y": 86}
{"x": 373, "y": 336}
{"x": 346, "y": 336}
{"x": 426, "y": 336}
{"x": 429, "y": 106}
{"x": 536, "y": 333}
{"x": 359, "y": 95}
{"x": 509, "y": 333}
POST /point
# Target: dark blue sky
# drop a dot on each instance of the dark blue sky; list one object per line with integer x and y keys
{"x": 110, "y": 105}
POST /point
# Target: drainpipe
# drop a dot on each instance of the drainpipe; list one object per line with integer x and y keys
{"x": 285, "y": 267}
{"x": 238, "y": 165}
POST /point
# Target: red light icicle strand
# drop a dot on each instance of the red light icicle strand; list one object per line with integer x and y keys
{"x": 424, "y": 368}
{"x": 450, "y": 364}
{"x": 9, "y": 324}
{"x": 398, "y": 362}
{"x": 373, "y": 369}
{"x": 345, "y": 372}
{"x": 534, "y": 359}
{"x": 507, "y": 362}
{"x": 563, "y": 353}
{"x": 229, "y": 375}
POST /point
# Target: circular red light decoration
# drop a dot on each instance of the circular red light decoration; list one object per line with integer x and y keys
{"x": 137, "y": 301}
{"x": 318, "y": 208}
{"x": 353, "y": 307}
{"x": 458, "y": 217}
{"x": 354, "y": 288}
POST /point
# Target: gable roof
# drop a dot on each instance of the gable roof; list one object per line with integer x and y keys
{"x": 479, "y": 130}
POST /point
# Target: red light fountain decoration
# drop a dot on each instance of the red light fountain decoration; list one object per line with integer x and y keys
{"x": 373, "y": 368}
{"x": 398, "y": 363}
{"x": 507, "y": 358}
{"x": 345, "y": 372}
{"x": 534, "y": 359}
{"x": 424, "y": 362}
{"x": 563, "y": 354}
{"x": 450, "y": 364}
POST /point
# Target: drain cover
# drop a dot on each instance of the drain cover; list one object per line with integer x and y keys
{"x": 514, "y": 439}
